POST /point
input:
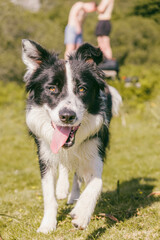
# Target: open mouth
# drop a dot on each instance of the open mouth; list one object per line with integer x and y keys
{"x": 63, "y": 137}
{"x": 71, "y": 138}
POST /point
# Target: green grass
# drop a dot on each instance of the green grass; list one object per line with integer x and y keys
{"x": 133, "y": 160}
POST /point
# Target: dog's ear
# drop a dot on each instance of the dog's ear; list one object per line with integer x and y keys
{"x": 33, "y": 54}
{"x": 89, "y": 53}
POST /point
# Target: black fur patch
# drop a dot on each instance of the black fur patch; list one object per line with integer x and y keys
{"x": 46, "y": 76}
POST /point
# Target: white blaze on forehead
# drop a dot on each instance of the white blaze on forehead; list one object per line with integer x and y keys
{"x": 70, "y": 84}
{"x": 71, "y": 101}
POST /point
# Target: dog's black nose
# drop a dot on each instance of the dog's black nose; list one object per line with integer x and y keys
{"x": 67, "y": 116}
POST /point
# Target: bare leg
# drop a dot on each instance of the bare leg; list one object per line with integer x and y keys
{"x": 78, "y": 45}
{"x": 104, "y": 44}
{"x": 69, "y": 49}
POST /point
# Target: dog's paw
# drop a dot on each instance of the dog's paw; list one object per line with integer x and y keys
{"x": 47, "y": 226}
{"x": 80, "y": 219}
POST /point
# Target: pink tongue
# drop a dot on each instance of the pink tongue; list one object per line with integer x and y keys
{"x": 60, "y": 136}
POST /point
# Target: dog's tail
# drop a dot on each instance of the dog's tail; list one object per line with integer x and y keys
{"x": 116, "y": 101}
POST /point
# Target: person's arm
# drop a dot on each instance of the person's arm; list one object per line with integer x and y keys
{"x": 89, "y": 7}
{"x": 103, "y": 5}
{"x": 74, "y": 12}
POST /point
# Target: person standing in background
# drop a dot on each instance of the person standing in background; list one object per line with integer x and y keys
{"x": 73, "y": 31}
{"x": 103, "y": 27}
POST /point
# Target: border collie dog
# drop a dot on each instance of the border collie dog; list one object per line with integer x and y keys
{"x": 69, "y": 109}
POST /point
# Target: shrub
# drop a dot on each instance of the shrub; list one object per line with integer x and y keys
{"x": 134, "y": 38}
{"x": 148, "y": 8}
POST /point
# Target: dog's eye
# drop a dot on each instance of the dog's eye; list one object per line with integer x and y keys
{"x": 53, "y": 89}
{"x": 81, "y": 89}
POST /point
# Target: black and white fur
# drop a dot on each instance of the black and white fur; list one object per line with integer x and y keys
{"x": 80, "y": 98}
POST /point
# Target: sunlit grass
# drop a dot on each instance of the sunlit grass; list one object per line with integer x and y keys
{"x": 131, "y": 173}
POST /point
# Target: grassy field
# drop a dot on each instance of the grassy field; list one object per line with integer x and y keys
{"x": 131, "y": 173}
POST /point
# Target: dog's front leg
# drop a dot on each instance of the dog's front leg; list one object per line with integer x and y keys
{"x": 49, "y": 221}
{"x": 62, "y": 183}
{"x": 85, "y": 206}
{"x": 74, "y": 194}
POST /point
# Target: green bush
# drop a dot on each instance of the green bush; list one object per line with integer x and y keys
{"x": 133, "y": 96}
{"x": 134, "y": 40}
{"x": 148, "y": 8}
{"x": 16, "y": 24}
{"x": 134, "y": 37}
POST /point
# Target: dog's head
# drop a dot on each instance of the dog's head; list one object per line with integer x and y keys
{"x": 66, "y": 90}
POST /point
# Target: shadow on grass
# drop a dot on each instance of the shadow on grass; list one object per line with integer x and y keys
{"x": 124, "y": 202}
{"x": 64, "y": 212}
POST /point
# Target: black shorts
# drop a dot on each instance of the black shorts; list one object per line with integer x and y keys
{"x": 103, "y": 28}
